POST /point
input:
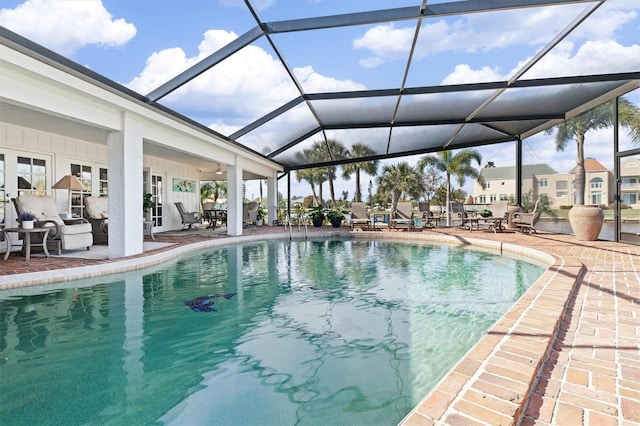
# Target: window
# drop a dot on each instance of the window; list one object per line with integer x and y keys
{"x": 544, "y": 182}
{"x": 629, "y": 198}
{"x": 492, "y": 198}
{"x": 562, "y": 184}
{"x": 596, "y": 183}
{"x": 486, "y": 185}
{"x": 504, "y": 197}
{"x": 502, "y": 183}
{"x": 482, "y": 199}
{"x": 83, "y": 173}
{"x": 103, "y": 180}
{"x": 32, "y": 177}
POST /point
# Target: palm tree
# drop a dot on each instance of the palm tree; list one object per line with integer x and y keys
{"x": 308, "y": 175}
{"x": 400, "y": 180}
{"x": 359, "y": 150}
{"x": 458, "y": 165}
{"x": 600, "y": 117}
{"x": 212, "y": 190}
{"x": 330, "y": 150}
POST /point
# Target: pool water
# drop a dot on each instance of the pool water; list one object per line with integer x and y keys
{"x": 264, "y": 333}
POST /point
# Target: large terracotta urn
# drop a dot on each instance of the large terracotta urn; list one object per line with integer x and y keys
{"x": 586, "y": 221}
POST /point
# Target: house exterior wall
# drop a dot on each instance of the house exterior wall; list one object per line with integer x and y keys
{"x": 630, "y": 182}
{"x": 557, "y": 187}
{"x": 60, "y": 152}
{"x": 599, "y": 188}
{"x": 498, "y": 190}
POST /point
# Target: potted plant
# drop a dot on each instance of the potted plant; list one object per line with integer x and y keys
{"x": 317, "y": 215}
{"x": 147, "y": 203}
{"x": 26, "y": 220}
{"x": 261, "y": 216}
{"x": 335, "y": 216}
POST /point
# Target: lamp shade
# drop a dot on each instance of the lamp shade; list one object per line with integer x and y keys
{"x": 70, "y": 182}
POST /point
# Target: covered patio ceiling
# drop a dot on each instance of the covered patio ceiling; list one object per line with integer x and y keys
{"x": 408, "y": 105}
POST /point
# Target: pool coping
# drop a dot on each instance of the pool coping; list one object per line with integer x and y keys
{"x": 490, "y": 384}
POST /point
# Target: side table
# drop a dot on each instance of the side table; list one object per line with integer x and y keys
{"x": 148, "y": 228}
{"x": 26, "y": 245}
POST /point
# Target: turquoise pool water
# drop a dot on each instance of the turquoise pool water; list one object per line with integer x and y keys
{"x": 265, "y": 333}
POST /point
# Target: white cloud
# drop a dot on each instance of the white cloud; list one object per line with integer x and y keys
{"x": 66, "y": 25}
{"x": 490, "y": 32}
{"x": 393, "y": 42}
{"x": 464, "y": 74}
{"x": 592, "y": 57}
{"x": 246, "y": 85}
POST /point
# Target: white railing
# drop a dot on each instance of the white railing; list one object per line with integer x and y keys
{"x": 624, "y": 186}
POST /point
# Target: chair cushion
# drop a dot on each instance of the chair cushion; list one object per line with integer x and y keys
{"x": 39, "y": 205}
{"x": 54, "y": 218}
{"x": 97, "y": 207}
{"x": 79, "y": 228}
{"x": 97, "y": 213}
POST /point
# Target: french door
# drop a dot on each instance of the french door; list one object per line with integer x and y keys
{"x": 154, "y": 184}
{"x": 21, "y": 173}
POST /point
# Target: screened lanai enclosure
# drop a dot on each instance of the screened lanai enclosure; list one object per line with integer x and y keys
{"x": 402, "y": 77}
{"x": 415, "y": 96}
{"x": 414, "y": 78}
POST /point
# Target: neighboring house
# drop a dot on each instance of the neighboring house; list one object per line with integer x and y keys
{"x": 630, "y": 182}
{"x": 599, "y": 183}
{"x": 500, "y": 184}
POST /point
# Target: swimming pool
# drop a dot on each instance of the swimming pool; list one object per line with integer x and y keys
{"x": 273, "y": 332}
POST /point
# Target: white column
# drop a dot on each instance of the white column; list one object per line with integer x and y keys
{"x": 125, "y": 191}
{"x": 234, "y": 200}
{"x": 272, "y": 195}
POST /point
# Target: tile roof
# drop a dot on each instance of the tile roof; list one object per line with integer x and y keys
{"x": 528, "y": 171}
{"x": 591, "y": 165}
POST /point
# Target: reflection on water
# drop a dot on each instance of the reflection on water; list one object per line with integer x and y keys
{"x": 312, "y": 332}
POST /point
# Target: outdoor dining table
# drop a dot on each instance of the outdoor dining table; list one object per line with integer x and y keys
{"x": 213, "y": 215}
{"x": 492, "y": 223}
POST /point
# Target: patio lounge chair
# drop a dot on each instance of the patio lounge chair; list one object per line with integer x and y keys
{"x": 426, "y": 215}
{"x": 71, "y": 236}
{"x": 499, "y": 209}
{"x": 456, "y": 210}
{"x": 526, "y": 222}
{"x": 403, "y": 217}
{"x": 360, "y": 217}
{"x": 188, "y": 218}
{"x": 97, "y": 213}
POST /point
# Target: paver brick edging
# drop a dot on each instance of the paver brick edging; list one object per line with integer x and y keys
{"x": 494, "y": 382}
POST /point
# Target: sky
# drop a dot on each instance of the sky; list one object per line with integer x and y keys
{"x": 143, "y": 43}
